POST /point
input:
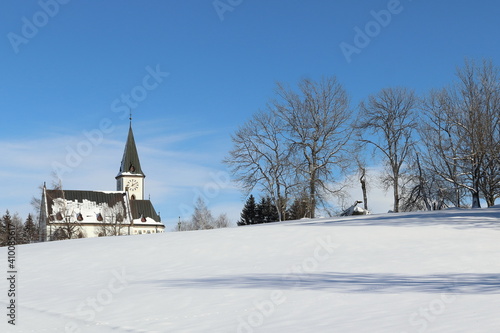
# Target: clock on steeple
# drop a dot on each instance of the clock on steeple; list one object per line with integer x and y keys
{"x": 132, "y": 185}
{"x": 131, "y": 178}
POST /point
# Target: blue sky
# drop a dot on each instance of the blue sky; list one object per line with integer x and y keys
{"x": 67, "y": 65}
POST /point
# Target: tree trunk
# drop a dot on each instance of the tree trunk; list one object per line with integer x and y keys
{"x": 278, "y": 205}
{"x": 457, "y": 196}
{"x": 475, "y": 184}
{"x": 475, "y": 199}
{"x": 490, "y": 200}
{"x": 362, "y": 180}
{"x": 277, "y": 202}
{"x": 396, "y": 193}
{"x": 422, "y": 187}
{"x": 312, "y": 199}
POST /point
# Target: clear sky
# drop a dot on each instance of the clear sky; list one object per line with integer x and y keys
{"x": 193, "y": 73}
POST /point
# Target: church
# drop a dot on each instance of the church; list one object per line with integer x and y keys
{"x": 66, "y": 214}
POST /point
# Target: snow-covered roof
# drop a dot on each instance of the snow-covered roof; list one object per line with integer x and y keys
{"x": 143, "y": 208}
{"x": 98, "y": 207}
{"x": 146, "y": 222}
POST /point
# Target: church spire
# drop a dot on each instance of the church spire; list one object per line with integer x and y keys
{"x": 130, "y": 161}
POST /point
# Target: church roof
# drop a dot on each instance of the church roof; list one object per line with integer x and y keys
{"x": 143, "y": 208}
{"x": 91, "y": 203}
{"x": 86, "y": 203}
{"x": 98, "y": 197}
{"x": 130, "y": 161}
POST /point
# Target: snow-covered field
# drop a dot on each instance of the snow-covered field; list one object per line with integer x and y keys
{"x": 414, "y": 272}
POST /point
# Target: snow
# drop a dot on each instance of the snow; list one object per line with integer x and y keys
{"x": 135, "y": 174}
{"x": 149, "y": 222}
{"x": 89, "y": 210}
{"x": 412, "y": 272}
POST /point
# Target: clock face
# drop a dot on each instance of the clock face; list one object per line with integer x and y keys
{"x": 133, "y": 185}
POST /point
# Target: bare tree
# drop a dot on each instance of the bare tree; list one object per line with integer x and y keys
{"x": 318, "y": 123}
{"x": 65, "y": 221}
{"x": 387, "y": 122}
{"x": 441, "y": 145}
{"x": 424, "y": 190}
{"x": 202, "y": 217}
{"x": 463, "y": 134}
{"x": 480, "y": 95}
{"x": 111, "y": 219}
{"x": 467, "y": 117}
{"x": 183, "y": 225}
{"x": 261, "y": 157}
{"x": 222, "y": 221}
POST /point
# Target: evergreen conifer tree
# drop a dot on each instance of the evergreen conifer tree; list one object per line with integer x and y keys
{"x": 299, "y": 208}
{"x": 248, "y": 214}
{"x": 17, "y": 227}
{"x": 4, "y": 225}
{"x": 266, "y": 211}
{"x": 30, "y": 231}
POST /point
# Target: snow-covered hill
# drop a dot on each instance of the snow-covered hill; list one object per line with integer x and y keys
{"x": 415, "y": 272}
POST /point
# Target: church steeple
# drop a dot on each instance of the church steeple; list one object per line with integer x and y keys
{"x": 130, "y": 161}
{"x": 131, "y": 178}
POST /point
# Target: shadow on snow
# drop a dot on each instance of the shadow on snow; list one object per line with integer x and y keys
{"x": 458, "y": 218}
{"x": 465, "y": 283}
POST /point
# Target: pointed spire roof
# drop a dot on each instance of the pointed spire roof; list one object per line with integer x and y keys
{"x": 130, "y": 161}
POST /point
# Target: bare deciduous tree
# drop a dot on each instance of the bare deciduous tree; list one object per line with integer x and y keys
{"x": 317, "y": 119}
{"x": 387, "y": 122}
{"x": 111, "y": 219}
{"x": 202, "y": 219}
{"x": 261, "y": 158}
{"x": 65, "y": 223}
{"x": 222, "y": 221}
{"x": 441, "y": 146}
{"x": 478, "y": 100}
{"x": 462, "y": 132}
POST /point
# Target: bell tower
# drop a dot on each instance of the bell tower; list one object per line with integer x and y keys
{"x": 131, "y": 178}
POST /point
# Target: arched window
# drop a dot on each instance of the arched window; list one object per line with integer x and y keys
{"x": 132, "y": 197}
